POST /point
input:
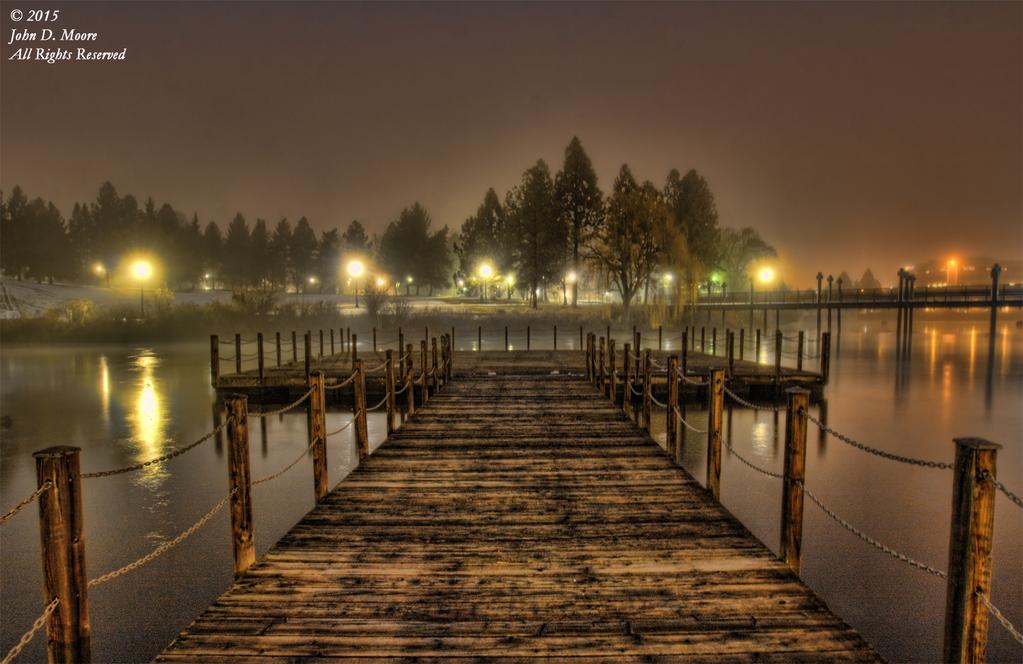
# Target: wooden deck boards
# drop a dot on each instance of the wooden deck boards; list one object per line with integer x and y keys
{"x": 518, "y": 517}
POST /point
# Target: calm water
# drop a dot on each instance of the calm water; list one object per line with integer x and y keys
{"x": 124, "y": 405}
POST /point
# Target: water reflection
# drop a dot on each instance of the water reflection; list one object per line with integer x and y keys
{"x": 104, "y": 388}
{"x": 148, "y": 419}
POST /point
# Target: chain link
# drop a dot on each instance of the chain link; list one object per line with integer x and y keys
{"x": 870, "y": 540}
{"x": 27, "y": 636}
{"x": 687, "y": 424}
{"x": 165, "y": 547}
{"x": 165, "y": 457}
{"x": 290, "y": 406}
{"x": 750, "y": 404}
{"x": 338, "y": 386}
{"x": 28, "y": 501}
{"x": 1000, "y": 618}
{"x": 762, "y": 471}
{"x": 1004, "y": 489}
{"x": 288, "y": 467}
{"x": 687, "y": 379}
{"x": 348, "y": 424}
{"x": 881, "y": 453}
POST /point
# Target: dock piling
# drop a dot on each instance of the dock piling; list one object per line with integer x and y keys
{"x": 237, "y": 353}
{"x": 715, "y": 408}
{"x": 240, "y": 482}
{"x": 670, "y": 418}
{"x": 648, "y": 373}
{"x": 214, "y": 360}
{"x": 259, "y": 355}
{"x": 318, "y": 434}
{"x": 361, "y": 432}
{"x": 794, "y": 476}
{"x": 391, "y": 399}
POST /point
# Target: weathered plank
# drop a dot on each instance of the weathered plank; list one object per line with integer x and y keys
{"x": 518, "y": 517}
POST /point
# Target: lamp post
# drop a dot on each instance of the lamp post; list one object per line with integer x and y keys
{"x": 510, "y": 281}
{"x": 101, "y": 270}
{"x": 142, "y": 270}
{"x": 486, "y": 271}
{"x": 355, "y": 271}
{"x": 572, "y": 279}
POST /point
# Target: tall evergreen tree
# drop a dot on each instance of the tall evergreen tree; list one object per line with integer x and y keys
{"x": 580, "y": 203}
{"x": 259, "y": 255}
{"x": 355, "y": 239}
{"x": 408, "y": 248}
{"x": 303, "y": 253}
{"x": 694, "y": 212}
{"x": 279, "y": 262}
{"x": 484, "y": 237}
{"x": 328, "y": 260}
{"x": 540, "y": 232}
{"x": 237, "y": 246}
{"x": 213, "y": 252}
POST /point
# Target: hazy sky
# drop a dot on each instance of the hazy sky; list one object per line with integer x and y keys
{"x": 848, "y": 134}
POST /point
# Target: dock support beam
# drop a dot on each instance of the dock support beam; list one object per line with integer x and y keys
{"x": 361, "y": 433}
{"x": 602, "y": 369}
{"x": 237, "y": 353}
{"x": 715, "y": 410}
{"x": 825, "y": 357}
{"x": 795, "y": 473}
{"x": 670, "y": 418}
{"x": 648, "y": 373}
{"x": 799, "y": 350}
{"x": 240, "y": 482}
{"x": 391, "y": 398}
{"x": 259, "y": 355}
{"x": 318, "y": 433}
{"x": 308, "y": 353}
{"x": 969, "y": 550}
{"x": 68, "y": 629}
{"x": 214, "y": 360}
{"x": 410, "y": 384}
{"x": 627, "y": 388}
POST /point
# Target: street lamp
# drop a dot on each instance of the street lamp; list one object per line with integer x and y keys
{"x": 765, "y": 275}
{"x": 101, "y": 270}
{"x": 510, "y": 280}
{"x": 142, "y": 270}
{"x": 355, "y": 271}
{"x": 486, "y": 271}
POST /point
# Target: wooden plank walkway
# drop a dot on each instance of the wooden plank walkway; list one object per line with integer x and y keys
{"x": 519, "y": 517}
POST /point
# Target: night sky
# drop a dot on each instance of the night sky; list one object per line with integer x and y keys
{"x": 849, "y": 135}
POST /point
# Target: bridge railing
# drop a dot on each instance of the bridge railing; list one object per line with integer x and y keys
{"x": 974, "y": 481}
{"x": 61, "y": 487}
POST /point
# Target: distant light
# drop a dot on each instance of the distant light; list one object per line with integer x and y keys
{"x": 380, "y": 282}
{"x": 715, "y": 277}
{"x": 668, "y": 276}
{"x": 461, "y": 283}
{"x": 356, "y": 268}
{"x": 206, "y": 276}
{"x": 98, "y": 268}
{"x": 486, "y": 270}
{"x": 409, "y": 279}
{"x": 141, "y": 269}
{"x": 571, "y": 277}
{"x": 312, "y": 280}
{"x": 510, "y": 280}
{"x": 765, "y": 275}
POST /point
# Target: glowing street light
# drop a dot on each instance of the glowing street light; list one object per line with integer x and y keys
{"x": 380, "y": 282}
{"x": 510, "y": 281}
{"x": 142, "y": 270}
{"x": 486, "y": 271}
{"x": 101, "y": 270}
{"x": 356, "y": 269}
{"x": 572, "y": 277}
{"x": 765, "y": 275}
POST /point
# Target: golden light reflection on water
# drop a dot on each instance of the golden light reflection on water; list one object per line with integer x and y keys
{"x": 973, "y": 352}
{"x": 148, "y": 418}
{"x": 104, "y": 387}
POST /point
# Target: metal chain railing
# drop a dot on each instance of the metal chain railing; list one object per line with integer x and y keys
{"x": 870, "y": 540}
{"x": 291, "y": 465}
{"x": 762, "y": 471}
{"x": 165, "y": 457}
{"x": 165, "y": 547}
{"x": 1009, "y": 627}
{"x": 881, "y": 453}
{"x": 27, "y": 636}
{"x": 687, "y": 379}
{"x": 294, "y": 404}
{"x": 750, "y": 404}
{"x": 347, "y": 424}
{"x": 377, "y": 407}
{"x": 1004, "y": 489}
{"x": 28, "y": 501}
{"x": 338, "y": 386}
{"x": 687, "y": 424}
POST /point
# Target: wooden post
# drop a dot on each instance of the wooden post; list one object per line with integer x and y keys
{"x": 391, "y": 398}
{"x": 555, "y": 337}
{"x": 214, "y": 360}
{"x": 68, "y": 629}
{"x": 969, "y": 550}
{"x": 353, "y": 347}
{"x": 450, "y": 359}
{"x": 423, "y": 371}
{"x": 589, "y": 360}
{"x": 277, "y": 346}
{"x": 479, "y": 338}
{"x": 670, "y": 419}
{"x": 648, "y": 372}
{"x": 348, "y": 333}
{"x": 715, "y": 408}
{"x": 361, "y": 433}
{"x": 703, "y": 331}
{"x": 294, "y": 348}
{"x": 237, "y": 353}
{"x": 433, "y": 364}
{"x": 685, "y": 351}
{"x": 756, "y": 350}
{"x": 660, "y": 337}
{"x": 240, "y": 482}
{"x": 742, "y": 343}
{"x": 332, "y": 341}
{"x": 627, "y": 388}
{"x": 308, "y": 354}
{"x": 528, "y": 339}
{"x": 730, "y": 349}
{"x": 799, "y": 351}
{"x": 318, "y": 434}
{"x": 601, "y": 368}
{"x": 612, "y": 388}
{"x": 321, "y": 343}
{"x": 580, "y": 337}
{"x": 825, "y": 357}
{"x": 795, "y": 473}
{"x": 713, "y": 341}
{"x": 401, "y": 353}
{"x": 410, "y": 381}
{"x": 777, "y": 357}
{"x": 637, "y": 338}
{"x": 259, "y": 354}
{"x": 374, "y": 339}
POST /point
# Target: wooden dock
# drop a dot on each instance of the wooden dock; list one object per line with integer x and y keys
{"x": 518, "y": 517}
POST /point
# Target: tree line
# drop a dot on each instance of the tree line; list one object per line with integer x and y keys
{"x": 39, "y": 243}
{"x": 563, "y": 231}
